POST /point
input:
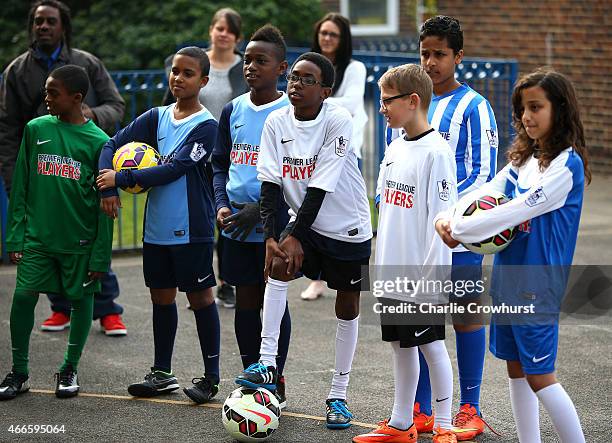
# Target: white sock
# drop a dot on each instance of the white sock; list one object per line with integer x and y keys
{"x": 525, "y": 410}
{"x": 406, "y": 375}
{"x": 441, "y": 378}
{"x": 275, "y": 300}
{"x": 346, "y": 342}
{"x": 562, "y": 413}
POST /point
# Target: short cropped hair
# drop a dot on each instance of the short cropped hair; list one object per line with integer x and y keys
{"x": 271, "y": 34}
{"x": 200, "y": 55}
{"x": 73, "y": 77}
{"x": 326, "y": 67}
{"x": 443, "y": 26}
{"x": 409, "y": 78}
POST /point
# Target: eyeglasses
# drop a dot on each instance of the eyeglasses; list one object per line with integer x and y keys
{"x": 385, "y": 101}
{"x": 306, "y": 81}
{"x": 333, "y": 35}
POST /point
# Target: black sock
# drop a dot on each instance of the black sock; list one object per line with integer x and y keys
{"x": 209, "y": 333}
{"x": 165, "y": 320}
{"x": 283, "y": 341}
{"x": 247, "y": 326}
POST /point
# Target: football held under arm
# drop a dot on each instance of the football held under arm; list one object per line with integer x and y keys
{"x": 197, "y": 147}
{"x": 547, "y": 194}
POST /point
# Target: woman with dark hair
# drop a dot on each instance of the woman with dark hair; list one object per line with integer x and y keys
{"x": 225, "y": 82}
{"x": 332, "y": 38}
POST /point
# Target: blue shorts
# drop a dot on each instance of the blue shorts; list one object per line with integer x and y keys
{"x": 187, "y": 267}
{"x": 243, "y": 262}
{"x": 467, "y": 266}
{"x": 534, "y": 346}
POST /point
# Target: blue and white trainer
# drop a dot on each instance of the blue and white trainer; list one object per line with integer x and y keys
{"x": 258, "y": 375}
{"x": 338, "y": 415}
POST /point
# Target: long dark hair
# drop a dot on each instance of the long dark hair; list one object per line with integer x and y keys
{"x": 566, "y": 129}
{"x": 345, "y": 47}
{"x": 64, "y": 11}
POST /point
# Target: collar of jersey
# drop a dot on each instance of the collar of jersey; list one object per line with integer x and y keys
{"x": 182, "y": 121}
{"x": 462, "y": 87}
{"x": 307, "y": 123}
{"x": 265, "y": 106}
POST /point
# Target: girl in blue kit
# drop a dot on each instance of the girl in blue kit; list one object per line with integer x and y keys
{"x": 545, "y": 179}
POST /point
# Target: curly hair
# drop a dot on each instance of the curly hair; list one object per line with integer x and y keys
{"x": 443, "y": 26}
{"x": 566, "y": 129}
{"x": 271, "y": 34}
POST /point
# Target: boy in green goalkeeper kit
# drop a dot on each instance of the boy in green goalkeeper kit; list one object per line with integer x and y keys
{"x": 57, "y": 233}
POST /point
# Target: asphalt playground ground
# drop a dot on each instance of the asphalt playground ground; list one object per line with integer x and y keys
{"x": 105, "y": 412}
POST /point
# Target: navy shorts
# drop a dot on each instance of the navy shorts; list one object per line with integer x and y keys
{"x": 467, "y": 267}
{"x": 243, "y": 262}
{"x": 343, "y": 265}
{"x": 187, "y": 267}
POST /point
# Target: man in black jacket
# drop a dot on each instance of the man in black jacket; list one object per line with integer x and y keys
{"x": 22, "y": 93}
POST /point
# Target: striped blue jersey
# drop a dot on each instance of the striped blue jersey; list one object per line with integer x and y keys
{"x": 546, "y": 206}
{"x": 179, "y": 207}
{"x": 466, "y": 121}
{"x": 236, "y": 154}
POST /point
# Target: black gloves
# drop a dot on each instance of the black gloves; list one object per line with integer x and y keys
{"x": 243, "y": 221}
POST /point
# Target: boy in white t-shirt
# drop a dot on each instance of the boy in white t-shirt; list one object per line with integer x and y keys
{"x": 305, "y": 152}
{"x": 417, "y": 179}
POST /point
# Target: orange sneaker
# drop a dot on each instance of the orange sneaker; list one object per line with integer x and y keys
{"x": 423, "y": 422}
{"x": 444, "y": 436}
{"x": 58, "y": 321}
{"x": 386, "y": 434}
{"x": 467, "y": 423}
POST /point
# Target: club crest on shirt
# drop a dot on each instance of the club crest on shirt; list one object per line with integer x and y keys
{"x": 444, "y": 188}
{"x": 197, "y": 152}
{"x": 492, "y": 136}
{"x": 536, "y": 197}
{"x": 341, "y": 146}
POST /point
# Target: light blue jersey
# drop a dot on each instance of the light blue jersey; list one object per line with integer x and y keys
{"x": 180, "y": 207}
{"x": 237, "y": 152}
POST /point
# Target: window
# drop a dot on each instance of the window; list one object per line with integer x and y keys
{"x": 372, "y": 17}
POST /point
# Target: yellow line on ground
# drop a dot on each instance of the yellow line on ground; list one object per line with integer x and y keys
{"x": 186, "y": 403}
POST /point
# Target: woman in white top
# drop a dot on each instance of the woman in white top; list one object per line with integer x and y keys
{"x": 332, "y": 38}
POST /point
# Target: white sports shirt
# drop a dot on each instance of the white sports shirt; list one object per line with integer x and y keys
{"x": 317, "y": 153}
{"x": 417, "y": 180}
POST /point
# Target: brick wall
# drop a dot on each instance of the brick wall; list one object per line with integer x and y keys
{"x": 579, "y": 46}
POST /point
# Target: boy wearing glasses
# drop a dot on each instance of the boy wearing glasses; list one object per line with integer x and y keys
{"x": 466, "y": 121}
{"x": 306, "y": 154}
{"x": 417, "y": 181}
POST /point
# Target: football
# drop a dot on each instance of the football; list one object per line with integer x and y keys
{"x": 135, "y": 156}
{"x": 497, "y": 243}
{"x": 251, "y": 414}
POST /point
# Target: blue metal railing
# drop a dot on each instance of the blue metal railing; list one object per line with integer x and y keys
{"x": 493, "y": 78}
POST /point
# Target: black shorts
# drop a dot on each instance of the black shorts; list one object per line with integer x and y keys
{"x": 243, "y": 262}
{"x": 411, "y": 329}
{"x": 187, "y": 267}
{"x": 343, "y": 265}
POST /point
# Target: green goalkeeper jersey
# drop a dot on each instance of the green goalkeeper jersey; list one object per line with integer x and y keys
{"x": 54, "y": 205}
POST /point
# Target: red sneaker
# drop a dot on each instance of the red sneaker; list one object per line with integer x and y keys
{"x": 423, "y": 422}
{"x": 467, "y": 423}
{"x": 112, "y": 325}
{"x": 57, "y": 322}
